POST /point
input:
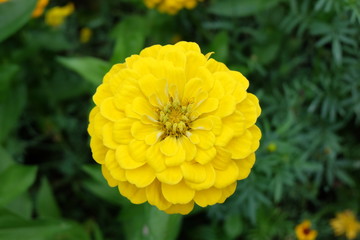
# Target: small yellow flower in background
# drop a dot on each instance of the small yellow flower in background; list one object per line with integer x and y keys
{"x": 40, "y": 7}
{"x": 173, "y": 127}
{"x": 272, "y": 147}
{"x": 345, "y": 223}
{"x": 85, "y": 35}
{"x": 304, "y": 232}
{"x": 171, "y": 6}
{"x": 2, "y": 1}
{"x": 57, "y": 15}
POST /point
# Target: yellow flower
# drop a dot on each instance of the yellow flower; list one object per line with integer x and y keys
{"x": 40, "y": 7}
{"x": 57, "y": 15}
{"x": 171, "y": 6}
{"x": 304, "y": 232}
{"x": 173, "y": 128}
{"x": 345, "y": 223}
{"x": 2, "y": 1}
{"x": 85, "y": 35}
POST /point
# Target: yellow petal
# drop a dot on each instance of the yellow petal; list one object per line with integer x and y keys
{"x": 176, "y": 57}
{"x": 141, "y": 177}
{"x": 222, "y": 159}
{"x": 193, "y": 172}
{"x": 169, "y": 146}
{"x": 215, "y": 66}
{"x": 209, "y": 105}
{"x": 189, "y": 148}
{"x": 110, "y": 180}
{"x": 155, "y": 158}
{"x": 188, "y": 46}
{"x": 98, "y": 150}
{"x": 255, "y": 100}
{"x": 178, "y": 194}
{"x": 227, "y": 80}
{"x": 216, "y": 123}
{"x": 245, "y": 166}
{"x": 99, "y": 123}
{"x": 153, "y": 137}
{"x": 226, "y": 134}
{"x": 151, "y": 51}
{"x": 207, "y": 197}
{"x": 209, "y": 181}
{"x": 227, "y": 192}
{"x": 142, "y": 107}
{"x": 176, "y": 77}
{"x": 217, "y": 91}
{"x": 207, "y": 138}
{"x": 112, "y": 165}
{"x": 155, "y": 196}
{"x": 110, "y": 111}
{"x": 138, "y": 150}
{"x": 171, "y": 175}
{"x": 140, "y": 131}
{"x": 180, "y": 208}
{"x": 193, "y": 137}
{"x": 226, "y": 106}
{"x": 256, "y": 133}
{"x": 204, "y": 123}
{"x": 176, "y": 159}
{"x": 240, "y": 147}
{"x": 226, "y": 177}
{"x": 102, "y": 92}
{"x": 194, "y": 61}
{"x": 249, "y": 110}
{"x": 124, "y": 158}
{"x": 192, "y": 88}
{"x": 148, "y": 85}
{"x": 108, "y": 138}
{"x": 121, "y": 131}
{"x": 236, "y": 122}
{"x": 205, "y": 156}
{"x": 240, "y": 79}
{"x": 131, "y": 192}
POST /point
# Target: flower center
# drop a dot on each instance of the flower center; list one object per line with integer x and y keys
{"x": 306, "y": 231}
{"x": 174, "y": 118}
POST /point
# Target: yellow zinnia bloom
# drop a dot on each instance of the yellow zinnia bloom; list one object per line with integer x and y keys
{"x": 345, "y": 223}
{"x": 171, "y": 6}
{"x": 85, "y": 35}
{"x": 40, "y": 7}
{"x": 173, "y": 127}
{"x": 304, "y": 232}
{"x": 57, "y": 15}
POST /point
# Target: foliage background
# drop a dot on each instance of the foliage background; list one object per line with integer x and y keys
{"x": 302, "y": 60}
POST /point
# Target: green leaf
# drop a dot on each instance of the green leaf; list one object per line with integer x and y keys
{"x": 337, "y": 51}
{"x": 243, "y": 8}
{"x": 15, "y": 180}
{"x": 5, "y": 159}
{"x": 14, "y": 14}
{"x": 220, "y": 46}
{"x": 129, "y": 37}
{"x": 90, "y": 68}
{"x": 145, "y": 222}
{"x": 22, "y": 206}
{"x": 13, "y": 227}
{"x": 99, "y": 187}
{"x": 11, "y": 106}
{"x": 233, "y": 226}
{"x": 7, "y": 74}
{"x": 46, "y": 205}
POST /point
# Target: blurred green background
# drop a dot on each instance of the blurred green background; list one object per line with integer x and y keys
{"x": 302, "y": 58}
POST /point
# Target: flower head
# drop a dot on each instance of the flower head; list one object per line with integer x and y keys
{"x": 40, "y": 7}
{"x": 173, "y": 128}
{"x": 345, "y": 223}
{"x": 85, "y": 35}
{"x": 304, "y": 232}
{"x": 57, "y": 15}
{"x": 171, "y": 6}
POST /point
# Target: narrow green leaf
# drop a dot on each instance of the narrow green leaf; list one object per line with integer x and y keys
{"x": 46, "y": 205}
{"x": 15, "y": 180}
{"x": 14, "y": 14}
{"x": 5, "y": 159}
{"x": 337, "y": 51}
{"x": 90, "y": 68}
{"x": 11, "y": 106}
{"x": 7, "y": 74}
